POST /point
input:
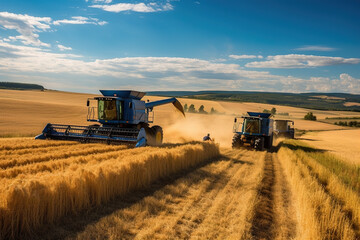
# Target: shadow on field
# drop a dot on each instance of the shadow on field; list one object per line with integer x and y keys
{"x": 70, "y": 226}
{"x": 306, "y": 139}
{"x": 303, "y": 148}
{"x": 235, "y": 161}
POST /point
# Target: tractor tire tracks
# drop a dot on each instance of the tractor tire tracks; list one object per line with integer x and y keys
{"x": 273, "y": 212}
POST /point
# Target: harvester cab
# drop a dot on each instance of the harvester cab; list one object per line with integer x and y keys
{"x": 121, "y": 117}
{"x": 255, "y": 129}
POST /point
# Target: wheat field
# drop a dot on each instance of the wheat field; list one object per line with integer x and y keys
{"x": 67, "y": 178}
{"x": 308, "y": 188}
{"x": 37, "y": 108}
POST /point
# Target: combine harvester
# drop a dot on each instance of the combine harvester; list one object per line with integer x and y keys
{"x": 256, "y": 130}
{"x": 124, "y": 119}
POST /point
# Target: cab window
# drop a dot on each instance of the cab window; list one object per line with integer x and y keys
{"x": 252, "y": 125}
{"x": 107, "y": 109}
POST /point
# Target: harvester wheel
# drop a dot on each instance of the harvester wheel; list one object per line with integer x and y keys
{"x": 156, "y": 136}
{"x": 237, "y": 142}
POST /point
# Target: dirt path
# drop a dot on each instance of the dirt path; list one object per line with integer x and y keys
{"x": 241, "y": 195}
{"x": 273, "y": 212}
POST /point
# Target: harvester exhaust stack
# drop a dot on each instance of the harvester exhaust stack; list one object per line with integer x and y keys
{"x": 123, "y": 117}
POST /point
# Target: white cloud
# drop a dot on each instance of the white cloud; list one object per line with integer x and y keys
{"x": 245, "y": 56}
{"x": 301, "y": 61}
{"x": 345, "y": 83}
{"x": 80, "y": 20}
{"x": 315, "y": 48}
{"x": 26, "y": 26}
{"x": 29, "y": 26}
{"x": 163, "y": 72}
{"x": 63, "y": 48}
{"x": 135, "y": 7}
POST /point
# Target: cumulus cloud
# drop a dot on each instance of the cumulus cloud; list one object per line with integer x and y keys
{"x": 315, "y": 48}
{"x": 135, "y": 7}
{"x": 164, "y": 72}
{"x": 245, "y": 56}
{"x": 301, "y": 61}
{"x": 344, "y": 83}
{"x": 27, "y": 26}
{"x": 63, "y": 48}
{"x": 80, "y": 20}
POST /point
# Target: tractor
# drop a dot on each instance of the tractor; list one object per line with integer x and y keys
{"x": 255, "y": 129}
{"x": 121, "y": 117}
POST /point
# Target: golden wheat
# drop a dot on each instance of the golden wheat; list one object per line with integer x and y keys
{"x": 319, "y": 215}
{"x": 343, "y": 193}
{"x": 10, "y": 160}
{"x": 25, "y": 143}
{"x": 27, "y": 203}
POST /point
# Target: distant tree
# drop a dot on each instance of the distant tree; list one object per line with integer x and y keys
{"x": 273, "y": 111}
{"x": 213, "y": 111}
{"x": 266, "y": 111}
{"x": 192, "y": 109}
{"x": 310, "y": 116}
{"x": 202, "y": 110}
{"x": 185, "y": 107}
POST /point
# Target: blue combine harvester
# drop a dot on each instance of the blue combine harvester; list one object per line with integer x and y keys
{"x": 256, "y": 129}
{"x": 124, "y": 119}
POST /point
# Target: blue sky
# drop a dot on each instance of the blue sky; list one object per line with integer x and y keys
{"x": 86, "y": 45}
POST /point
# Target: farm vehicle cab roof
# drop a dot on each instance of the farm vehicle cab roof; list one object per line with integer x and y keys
{"x": 255, "y": 115}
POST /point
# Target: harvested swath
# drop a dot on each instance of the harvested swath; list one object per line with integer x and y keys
{"x": 29, "y": 204}
{"x": 72, "y": 151}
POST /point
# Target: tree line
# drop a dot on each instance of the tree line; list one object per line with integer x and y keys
{"x": 348, "y": 124}
{"x": 201, "y": 110}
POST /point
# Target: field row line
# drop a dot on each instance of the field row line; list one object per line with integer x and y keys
{"x": 48, "y": 198}
{"x": 11, "y": 154}
{"x": 53, "y": 167}
{"x": 319, "y": 216}
{"x": 72, "y": 151}
{"x": 24, "y": 144}
{"x": 342, "y": 194}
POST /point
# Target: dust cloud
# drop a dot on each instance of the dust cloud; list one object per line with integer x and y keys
{"x": 195, "y": 126}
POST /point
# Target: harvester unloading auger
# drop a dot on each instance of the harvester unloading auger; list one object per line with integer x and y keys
{"x": 124, "y": 119}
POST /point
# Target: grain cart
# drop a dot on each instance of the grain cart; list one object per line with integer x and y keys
{"x": 122, "y": 118}
{"x": 255, "y": 129}
{"x": 284, "y": 128}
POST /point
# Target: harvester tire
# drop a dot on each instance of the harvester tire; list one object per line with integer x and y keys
{"x": 237, "y": 142}
{"x": 156, "y": 136}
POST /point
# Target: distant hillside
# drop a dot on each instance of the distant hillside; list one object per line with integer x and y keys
{"x": 319, "y": 101}
{"x": 20, "y": 86}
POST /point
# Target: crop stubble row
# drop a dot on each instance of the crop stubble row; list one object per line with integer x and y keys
{"x": 72, "y": 184}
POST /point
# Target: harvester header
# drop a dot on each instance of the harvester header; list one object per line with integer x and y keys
{"x": 122, "y": 116}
